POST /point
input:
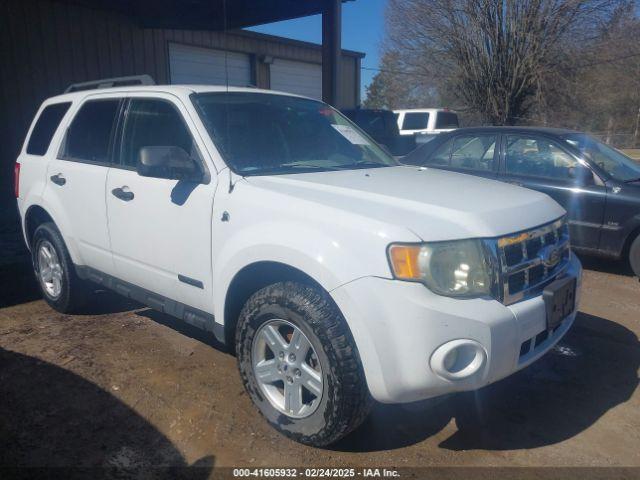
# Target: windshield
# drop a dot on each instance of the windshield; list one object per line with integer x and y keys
{"x": 616, "y": 164}
{"x": 258, "y": 134}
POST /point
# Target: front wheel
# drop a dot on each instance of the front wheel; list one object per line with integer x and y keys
{"x": 300, "y": 365}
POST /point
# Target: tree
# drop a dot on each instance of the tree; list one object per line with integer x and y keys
{"x": 493, "y": 54}
{"x": 376, "y": 93}
{"x": 595, "y": 85}
{"x": 392, "y": 87}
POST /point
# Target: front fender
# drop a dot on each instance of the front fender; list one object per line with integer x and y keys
{"x": 328, "y": 244}
{"x": 320, "y": 255}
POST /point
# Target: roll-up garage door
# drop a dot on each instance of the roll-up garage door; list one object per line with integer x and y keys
{"x": 297, "y": 77}
{"x": 197, "y": 65}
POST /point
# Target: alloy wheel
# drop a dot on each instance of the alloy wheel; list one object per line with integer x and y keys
{"x": 49, "y": 269}
{"x": 287, "y": 368}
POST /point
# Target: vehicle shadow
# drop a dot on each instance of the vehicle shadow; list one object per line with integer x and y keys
{"x": 592, "y": 370}
{"x": 103, "y": 302}
{"x": 606, "y": 265}
{"x": 18, "y": 283}
{"x": 53, "y": 418}
{"x": 183, "y": 328}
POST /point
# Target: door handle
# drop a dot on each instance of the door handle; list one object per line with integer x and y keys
{"x": 58, "y": 179}
{"x": 123, "y": 193}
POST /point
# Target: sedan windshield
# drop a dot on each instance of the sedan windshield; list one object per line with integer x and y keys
{"x": 260, "y": 134}
{"x": 616, "y": 164}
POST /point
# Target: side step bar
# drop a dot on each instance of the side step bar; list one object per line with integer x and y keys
{"x": 192, "y": 316}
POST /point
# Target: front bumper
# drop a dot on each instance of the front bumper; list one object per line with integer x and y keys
{"x": 398, "y": 326}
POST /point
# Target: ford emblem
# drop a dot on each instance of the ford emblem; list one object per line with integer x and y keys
{"x": 550, "y": 256}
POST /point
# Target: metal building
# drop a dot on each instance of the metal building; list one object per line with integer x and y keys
{"x": 45, "y": 45}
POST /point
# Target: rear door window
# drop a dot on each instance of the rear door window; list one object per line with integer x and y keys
{"x": 46, "y": 127}
{"x": 415, "y": 121}
{"x": 90, "y": 133}
{"x": 473, "y": 152}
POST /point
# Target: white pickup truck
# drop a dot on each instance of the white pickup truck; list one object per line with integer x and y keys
{"x": 335, "y": 274}
{"x": 425, "y": 123}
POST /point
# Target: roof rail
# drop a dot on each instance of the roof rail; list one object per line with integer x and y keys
{"x": 111, "y": 82}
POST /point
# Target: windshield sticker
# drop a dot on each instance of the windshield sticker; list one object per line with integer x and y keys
{"x": 350, "y": 134}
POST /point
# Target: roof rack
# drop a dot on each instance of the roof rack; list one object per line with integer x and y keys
{"x": 111, "y": 82}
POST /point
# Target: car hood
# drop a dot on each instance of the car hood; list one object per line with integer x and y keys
{"x": 433, "y": 204}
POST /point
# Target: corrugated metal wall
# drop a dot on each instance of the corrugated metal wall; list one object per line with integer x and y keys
{"x": 47, "y": 45}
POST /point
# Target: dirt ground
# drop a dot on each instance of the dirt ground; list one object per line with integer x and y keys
{"x": 125, "y": 386}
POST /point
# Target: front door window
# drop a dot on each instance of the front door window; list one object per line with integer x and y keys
{"x": 531, "y": 156}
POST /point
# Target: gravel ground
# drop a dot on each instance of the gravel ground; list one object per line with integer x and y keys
{"x": 125, "y": 386}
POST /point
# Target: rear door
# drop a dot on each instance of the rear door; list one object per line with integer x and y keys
{"x": 161, "y": 232}
{"x": 76, "y": 177}
{"x": 206, "y": 66}
{"x": 543, "y": 164}
{"x": 301, "y": 78}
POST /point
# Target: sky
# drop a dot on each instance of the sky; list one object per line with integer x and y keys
{"x": 362, "y": 30}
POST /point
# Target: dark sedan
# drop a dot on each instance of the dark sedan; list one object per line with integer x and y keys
{"x": 597, "y": 185}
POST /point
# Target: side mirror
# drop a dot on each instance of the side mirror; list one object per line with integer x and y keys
{"x": 168, "y": 162}
{"x": 581, "y": 174}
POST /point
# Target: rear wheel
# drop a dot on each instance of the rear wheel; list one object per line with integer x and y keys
{"x": 55, "y": 272}
{"x": 300, "y": 365}
{"x": 634, "y": 256}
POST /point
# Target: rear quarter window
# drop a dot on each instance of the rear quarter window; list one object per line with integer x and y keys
{"x": 46, "y": 127}
{"x": 446, "y": 120}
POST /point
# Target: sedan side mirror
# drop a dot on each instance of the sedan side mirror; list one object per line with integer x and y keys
{"x": 168, "y": 162}
{"x": 581, "y": 175}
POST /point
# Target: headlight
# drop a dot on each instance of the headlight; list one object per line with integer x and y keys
{"x": 460, "y": 268}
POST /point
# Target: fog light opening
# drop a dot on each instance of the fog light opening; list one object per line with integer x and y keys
{"x": 450, "y": 361}
{"x": 458, "y": 359}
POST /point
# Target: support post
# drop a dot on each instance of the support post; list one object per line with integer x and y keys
{"x": 331, "y": 51}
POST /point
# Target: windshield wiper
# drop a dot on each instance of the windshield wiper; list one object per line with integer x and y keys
{"x": 287, "y": 168}
{"x": 306, "y": 165}
{"x": 363, "y": 164}
{"x": 319, "y": 168}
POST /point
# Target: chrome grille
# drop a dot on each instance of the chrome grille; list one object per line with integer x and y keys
{"x": 530, "y": 260}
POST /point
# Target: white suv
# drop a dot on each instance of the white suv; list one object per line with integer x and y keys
{"x": 273, "y": 222}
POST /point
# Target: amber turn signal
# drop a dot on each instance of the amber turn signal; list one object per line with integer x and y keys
{"x": 404, "y": 261}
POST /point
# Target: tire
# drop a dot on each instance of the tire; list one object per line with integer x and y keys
{"x": 634, "y": 256}
{"x": 344, "y": 402}
{"x": 72, "y": 293}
